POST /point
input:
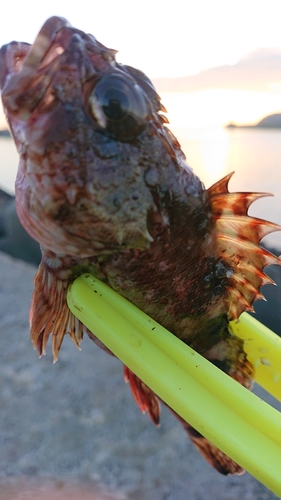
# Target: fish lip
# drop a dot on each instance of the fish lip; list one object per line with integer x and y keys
{"x": 19, "y": 62}
{"x": 31, "y": 55}
{"x": 12, "y": 57}
{"x": 53, "y": 38}
{"x": 22, "y": 82}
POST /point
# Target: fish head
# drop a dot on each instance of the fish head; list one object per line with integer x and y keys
{"x": 95, "y": 156}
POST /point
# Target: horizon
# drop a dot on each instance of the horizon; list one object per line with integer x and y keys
{"x": 214, "y": 103}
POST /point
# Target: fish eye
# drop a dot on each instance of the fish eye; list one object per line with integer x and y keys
{"x": 119, "y": 107}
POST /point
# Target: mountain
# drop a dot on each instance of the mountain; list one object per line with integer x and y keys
{"x": 270, "y": 121}
{"x": 260, "y": 70}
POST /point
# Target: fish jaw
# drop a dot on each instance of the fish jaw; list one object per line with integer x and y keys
{"x": 19, "y": 62}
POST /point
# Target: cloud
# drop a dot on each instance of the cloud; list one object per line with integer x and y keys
{"x": 258, "y": 71}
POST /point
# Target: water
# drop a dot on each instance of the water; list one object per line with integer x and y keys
{"x": 254, "y": 155}
{"x": 8, "y": 164}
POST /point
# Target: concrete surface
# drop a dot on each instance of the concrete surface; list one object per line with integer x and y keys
{"x": 71, "y": 430}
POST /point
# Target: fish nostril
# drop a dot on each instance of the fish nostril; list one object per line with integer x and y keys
{"x": 75, "y": 38}
{"x": 117, "y": 202}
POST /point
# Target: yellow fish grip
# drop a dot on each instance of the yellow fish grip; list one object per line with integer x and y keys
{"x": 239, "y": 423}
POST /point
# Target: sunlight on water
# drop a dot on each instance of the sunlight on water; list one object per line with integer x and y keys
{"x": 253, "y": 154}
{"x": 8, "y": 164}
{"x": 218, "y": 107}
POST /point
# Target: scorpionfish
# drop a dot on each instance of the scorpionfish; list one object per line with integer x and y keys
{"x": 104, "y": 187}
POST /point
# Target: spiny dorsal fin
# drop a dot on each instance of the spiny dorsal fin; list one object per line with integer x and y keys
{"x": 237, "y": 236}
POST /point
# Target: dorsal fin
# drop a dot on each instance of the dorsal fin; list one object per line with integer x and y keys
{"x": 237, "y": 236}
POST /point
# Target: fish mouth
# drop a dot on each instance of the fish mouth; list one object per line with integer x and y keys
{"x": 22, "y": 80}
{"x": 17, "y": 57}
{"x": 12, "y": 57}
{"x": 26, "y": 70}
{"x": 22, "y": 85}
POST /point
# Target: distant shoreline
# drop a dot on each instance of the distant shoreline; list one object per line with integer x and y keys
{"x": 269, "y": 122}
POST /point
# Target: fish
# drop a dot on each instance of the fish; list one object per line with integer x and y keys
{"x": 104, "y": 187}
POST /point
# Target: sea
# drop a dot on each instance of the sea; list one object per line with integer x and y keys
{"x": 254, "y": 155}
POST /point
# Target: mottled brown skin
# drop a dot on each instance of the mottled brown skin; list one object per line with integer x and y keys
{"x": 104, "y": 187}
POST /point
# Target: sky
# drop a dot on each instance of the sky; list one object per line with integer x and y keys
{"x": 163, "y": 39}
